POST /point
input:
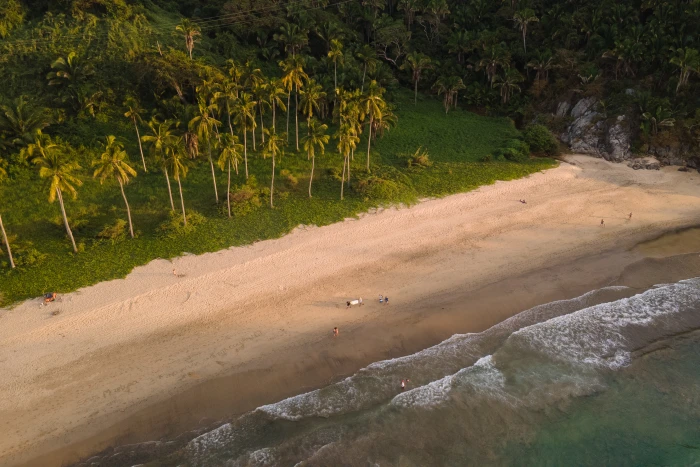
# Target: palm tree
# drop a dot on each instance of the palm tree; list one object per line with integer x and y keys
{"x": 55, "y": 166}
{"x": 292, "y": 38}
{"x": 416, "y": 62}
{"x": 273, "y": 148}
{"x": 244, "y": 117}
{"x": 227, "y": 95}
{"x": 160, "y": 138}
{"x": 21, "y": 121}
{"x": 230, "y": 154}
{"x": 2, "y": 229}
{"x": 522, "y": 19}
{"x": 368, "y": 56}
{"x": 495, "y": 58}
{"x": 508, "y": 84}
{"x": 688, "y": 60}
{"x": 294, "y": 75}
{"x": 372, "y": 105}
{"x": 176, "y": 163}
{"x": 114, "y": 163}
{"x": 311, "y": 99}
{"x": 134, "y": 114}
{"x": 189, "y": 31}
{"x": 449, "y": 87}
{"x": 7, "y": 244}
{"x": 347, "y": 141}
{"x": 275, "y": 91}
{"x": 316, "y": 137}
{"x": 336, "y": 55}
{"x": 203, "y": 124}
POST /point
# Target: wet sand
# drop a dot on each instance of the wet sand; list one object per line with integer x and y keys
{"x": 153, "y": 356}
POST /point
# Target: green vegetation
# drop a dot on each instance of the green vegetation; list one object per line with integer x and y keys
{"x": 98, "y": 216}
{"x": 265, "y": 114}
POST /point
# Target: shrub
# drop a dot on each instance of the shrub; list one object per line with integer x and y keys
{"x": 245, "y": 198}
{"x": 289, "y": 177}
{"x": 486, "y": 158}
{"x": 114, "y": 232}
{"x": 515, "y": 151}
{"x": 541, "y": 140}
{"x": 377, "y": 188}
{"x": 420, "y": 158}
{"x": 175, "y": 226}
{"x": 23, "y": 253}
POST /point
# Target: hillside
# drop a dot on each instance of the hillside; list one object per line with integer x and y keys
{"x": 442, "y": 90}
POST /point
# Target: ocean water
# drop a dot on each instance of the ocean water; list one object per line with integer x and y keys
{"x": 574, "y": 382}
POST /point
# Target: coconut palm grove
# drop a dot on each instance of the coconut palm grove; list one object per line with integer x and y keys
{"x": 132, "y": 130}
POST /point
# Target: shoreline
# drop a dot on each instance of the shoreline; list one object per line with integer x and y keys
{"x": 139, "y": 342}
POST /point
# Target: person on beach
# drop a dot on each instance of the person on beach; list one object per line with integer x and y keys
{"x": 386, "y": 300}
{"x": 381, "y": 298}
{"x": 49, "y": 297}
{"x": 602, "y": 223}
{"x": 403, "y": 384}
{"x": 522, "y": 201}
{"x": 335, "y": 332}
{"x": 174, "y": 273}
{"x": 630, "y": 218}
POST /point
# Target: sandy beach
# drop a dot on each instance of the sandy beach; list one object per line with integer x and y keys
{"x": 154, "y": 354}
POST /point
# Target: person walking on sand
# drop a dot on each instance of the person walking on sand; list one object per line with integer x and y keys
{"x": 602, "y": 223}
{"x": 335, "y": 331}
{"x": 630, "y": 216}
{"x": 386, "y": 300}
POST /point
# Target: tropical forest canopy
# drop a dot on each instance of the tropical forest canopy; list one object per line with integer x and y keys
{"x": 106, "y": 99}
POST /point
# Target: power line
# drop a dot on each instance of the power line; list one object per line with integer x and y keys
{"x": 206, "y": 24}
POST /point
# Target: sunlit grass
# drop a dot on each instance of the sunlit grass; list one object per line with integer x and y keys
{"x": 455, "y": 142}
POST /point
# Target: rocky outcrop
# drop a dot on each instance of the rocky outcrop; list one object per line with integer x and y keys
{"x": 648, "y": 163}
{"x": 591, "y": 133}
{"x": 675, "y": 154}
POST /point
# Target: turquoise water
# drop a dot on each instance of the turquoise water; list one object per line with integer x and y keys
{"x": 576, "y": 382}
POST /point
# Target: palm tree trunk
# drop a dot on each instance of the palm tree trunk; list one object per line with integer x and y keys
{"x": 253, "y": 133}
{"x": 65, "y": 220}
{"x": 213, "y": 173}
{"x": 272, "y": 184}
{"x": 170, "y": 191}
{"x": 274, "y": 117}
{"x": 228, "y": 190}
{"x": 230, "y": 127}
{"x": 128, "y": 210}
{"x": 289, "y": 101}
{"x": 245, "y": 150}
{"x": 7, "y": 244}
{"x": 138, "y": 138}
{"x": 369, "y": 140}
{"x": 335, "y": 74}
{"x": 311, "y": 178}
{"x": 415, "y": 92}
{"x": 182, "y": 202}
{"x": 296, "y": 116}
{"x": 524, "y": 45}
{"x": 342, "y": 180}
{"x": 262, "y": 126}
{"x": 364, "y": 73}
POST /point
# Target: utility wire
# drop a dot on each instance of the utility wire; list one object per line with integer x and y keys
{"x": 208, "y": 24}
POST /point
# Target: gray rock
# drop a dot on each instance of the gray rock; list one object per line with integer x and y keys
{"x": 563, "y": 109}
{"x": 590, "y": 133}
{"x": 618, "y": 141}
{"x": 683, "y": 169}
{"x": 584, "y": 106}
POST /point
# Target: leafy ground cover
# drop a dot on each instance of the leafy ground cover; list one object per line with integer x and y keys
{"x": 456, "y": 145}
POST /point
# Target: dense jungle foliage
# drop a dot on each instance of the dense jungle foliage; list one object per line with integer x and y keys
{"x": 157, "y": 119}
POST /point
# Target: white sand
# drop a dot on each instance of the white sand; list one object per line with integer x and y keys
{"x": 120, "y": 345}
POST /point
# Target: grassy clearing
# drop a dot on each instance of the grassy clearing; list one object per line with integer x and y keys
{"x": 455, "y": 143}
